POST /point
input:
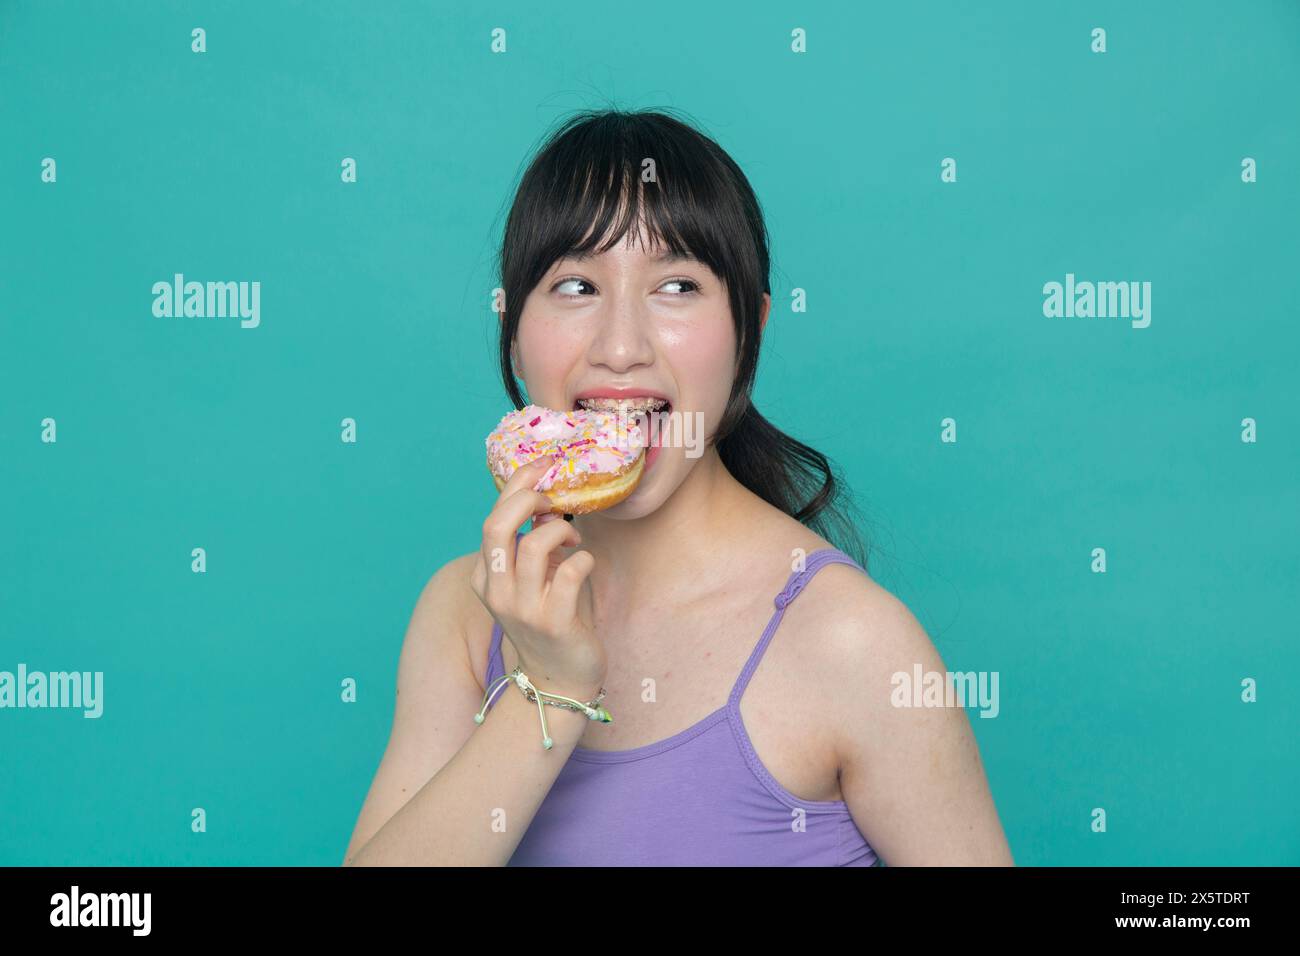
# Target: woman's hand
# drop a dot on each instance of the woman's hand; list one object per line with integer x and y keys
{"x": 541, "y": 599}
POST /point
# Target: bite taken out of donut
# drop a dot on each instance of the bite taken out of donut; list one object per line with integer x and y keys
{"x": 597, "y": 456}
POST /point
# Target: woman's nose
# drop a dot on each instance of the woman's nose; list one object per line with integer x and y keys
{"x": 623, "y": 339}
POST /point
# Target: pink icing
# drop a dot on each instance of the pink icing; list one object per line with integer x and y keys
{"x": 581, "y": 442}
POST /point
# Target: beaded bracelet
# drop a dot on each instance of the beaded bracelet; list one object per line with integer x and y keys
{"x": 555, "y": 700}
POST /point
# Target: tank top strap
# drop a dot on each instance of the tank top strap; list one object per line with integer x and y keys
{"x": 496, "y": 661}
{"x": 797, "y": 582}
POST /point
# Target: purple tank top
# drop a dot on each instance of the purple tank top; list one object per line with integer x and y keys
{"x": 698, "y": 798}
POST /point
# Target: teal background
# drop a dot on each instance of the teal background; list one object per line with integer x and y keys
{"x": 222, "y": 690}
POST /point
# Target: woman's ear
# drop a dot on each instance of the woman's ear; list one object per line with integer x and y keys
{"x": 767, "y": 306}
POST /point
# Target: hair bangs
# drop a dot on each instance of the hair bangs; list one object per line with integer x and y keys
{"x": 612, "y": 182}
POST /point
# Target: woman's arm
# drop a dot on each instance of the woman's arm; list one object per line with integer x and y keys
{"x": 912, "y": 776}
{"x": 446, "y": 785}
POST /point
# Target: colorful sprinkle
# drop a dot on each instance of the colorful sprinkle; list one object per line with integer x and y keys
{"x": 581, "y": 443}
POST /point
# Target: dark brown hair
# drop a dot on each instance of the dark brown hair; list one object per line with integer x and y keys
{"x": 701, "y": 204}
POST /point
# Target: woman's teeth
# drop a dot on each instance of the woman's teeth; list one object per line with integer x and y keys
{"x": 633, "y": 406}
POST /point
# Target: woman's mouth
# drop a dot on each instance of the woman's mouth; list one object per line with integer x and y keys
{"x": 633, "y": 404}
{"x": 650, "y": 413}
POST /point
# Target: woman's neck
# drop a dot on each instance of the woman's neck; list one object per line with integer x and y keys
{"x": 671, "y": 553}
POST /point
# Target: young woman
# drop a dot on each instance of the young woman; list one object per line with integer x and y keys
{"x": 745, "y": 658}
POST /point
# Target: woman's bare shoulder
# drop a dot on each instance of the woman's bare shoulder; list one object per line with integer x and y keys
{"x": 780, "y": 535}
{"x": 453, "y": 584}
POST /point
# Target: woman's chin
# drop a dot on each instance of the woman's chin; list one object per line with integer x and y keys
{"x": 641, "y": 502}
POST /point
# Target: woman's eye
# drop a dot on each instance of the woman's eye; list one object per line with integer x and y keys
{"x": 688, "y": 287}
{"x": 694, "y": 286}
{"x": 563, "y": 282}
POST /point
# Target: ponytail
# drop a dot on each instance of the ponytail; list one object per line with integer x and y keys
{"x": 792, "y": 476}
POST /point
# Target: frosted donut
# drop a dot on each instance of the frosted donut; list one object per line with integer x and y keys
{"x": 597, "y": 456}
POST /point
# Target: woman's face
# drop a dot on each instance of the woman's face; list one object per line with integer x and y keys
{"x": 629, "y": 319}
